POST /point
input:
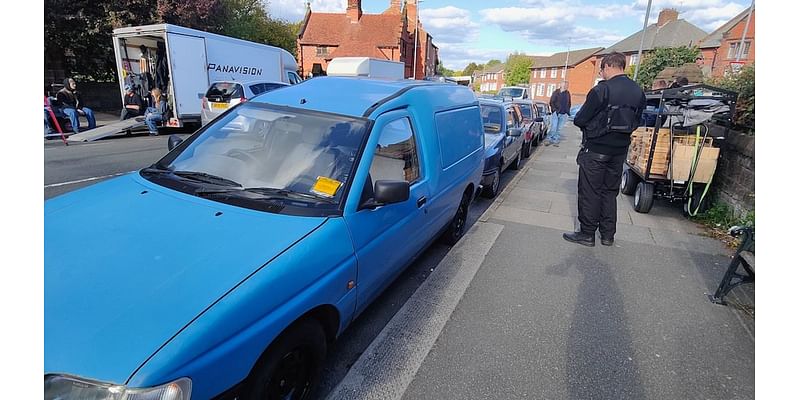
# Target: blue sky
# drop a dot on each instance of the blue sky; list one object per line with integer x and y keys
{"x": 479, "y": 30}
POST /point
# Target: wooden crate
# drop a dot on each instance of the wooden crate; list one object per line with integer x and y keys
{"x": 639, "y": 151}
{"x": 683, "y": 150}
{"x": 682, "y": 162}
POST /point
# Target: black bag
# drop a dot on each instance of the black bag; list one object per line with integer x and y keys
{"x": 617, "y": 118}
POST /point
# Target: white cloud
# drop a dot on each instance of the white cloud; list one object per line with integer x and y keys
{"x": 457, "y": 57}
{"x": 706, "y": 14}
{"x": 294, "y": 10}
{"x": 449, "y": 25}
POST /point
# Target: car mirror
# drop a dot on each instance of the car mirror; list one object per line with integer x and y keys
{"x": 388, "y": 192}
{"x": 173, "y": 142}
{"x": 515, "y": 132}
{"x": 538, "y": 119}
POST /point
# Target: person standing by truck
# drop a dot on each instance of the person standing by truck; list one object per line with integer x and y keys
{"x": 71, "y": 102}
{"x": 133, "y": 104}
{"x": 560, "y": 103}
{"x": 612, "y": 111}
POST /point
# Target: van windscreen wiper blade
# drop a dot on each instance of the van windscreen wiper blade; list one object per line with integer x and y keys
{"x": 289, "y": 193}
{"x": 207, "y": 178}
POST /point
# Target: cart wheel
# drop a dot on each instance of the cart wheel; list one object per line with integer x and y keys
{"x": 643, "y": 198}
{"x": 629, "y": 182}
{"x": 695, "y": 203}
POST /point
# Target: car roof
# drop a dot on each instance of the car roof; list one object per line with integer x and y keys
{"x": 351, "y": 96}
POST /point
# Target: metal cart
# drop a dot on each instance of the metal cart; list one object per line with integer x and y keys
{"x": 670, "y": 180}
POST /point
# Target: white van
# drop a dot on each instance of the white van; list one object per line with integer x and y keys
{"x": 184, "y": 62}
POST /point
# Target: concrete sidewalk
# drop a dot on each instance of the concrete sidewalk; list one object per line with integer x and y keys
{"x": 547, "y": 319}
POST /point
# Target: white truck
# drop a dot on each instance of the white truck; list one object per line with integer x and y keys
{"x": 183, "y": 62}
{"x": 366, "y": 67}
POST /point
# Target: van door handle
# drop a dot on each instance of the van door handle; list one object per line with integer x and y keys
{"x": 421, "y": 201}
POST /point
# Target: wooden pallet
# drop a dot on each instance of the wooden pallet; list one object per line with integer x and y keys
{"x": 681, "y": 154}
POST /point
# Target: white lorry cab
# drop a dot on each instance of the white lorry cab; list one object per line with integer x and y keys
{"x": 366, "y": 67}
{"x": 183, "y": 62}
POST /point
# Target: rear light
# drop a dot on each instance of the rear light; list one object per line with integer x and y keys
{"x": 205, "y": 103}
{"x": 242, "y": 100}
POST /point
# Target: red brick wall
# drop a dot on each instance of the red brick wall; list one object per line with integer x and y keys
{"x": 723, "y": 62}
{"x": 581, "y": 79}
{"x": 308, "y": 57}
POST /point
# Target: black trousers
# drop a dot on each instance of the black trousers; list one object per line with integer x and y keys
{"x": 599, "y": 177}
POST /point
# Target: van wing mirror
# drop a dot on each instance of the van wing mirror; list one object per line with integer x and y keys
{"x": 515, "y": 132}
{"x": 173, "y": 142}
{"x": 388, "y": 192}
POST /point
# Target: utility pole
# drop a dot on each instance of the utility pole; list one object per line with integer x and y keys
{"x": 416, "y": 35}
{"x": 566, "y": 62}
{"x": 746, "y": 28}
{"x": 641, "y": 44}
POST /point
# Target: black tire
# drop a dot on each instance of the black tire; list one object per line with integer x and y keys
{"x": 491, "y": 191}
{"x": 517, "y": 162}
{"x": 643, "y": 197}
{"x": 629, "y": 182}
{"x": 291, "y": 364}
{"x": 458, "y": 225}
{"x": 526, "y": 149}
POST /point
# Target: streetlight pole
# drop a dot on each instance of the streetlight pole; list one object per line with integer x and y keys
{"x": 416, "y": 35}
{"x": 566, "y": 62}
{"x": 641, "y": 44}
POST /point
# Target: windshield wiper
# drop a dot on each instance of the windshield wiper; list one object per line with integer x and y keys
{"x": 207, "y": 178}
{"x": 289, "y": 193}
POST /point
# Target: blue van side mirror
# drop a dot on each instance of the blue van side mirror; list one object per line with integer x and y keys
{"x": 388, "y": 192}
{"x": 173, "y": 142}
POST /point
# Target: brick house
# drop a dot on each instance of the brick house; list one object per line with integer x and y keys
{"x": 720, "y": 47}
{"x": 389, "y": 36}
{"x": 548, "y": 72}
{"x": 491, "y": 79}
{"x": 668, "y": 31}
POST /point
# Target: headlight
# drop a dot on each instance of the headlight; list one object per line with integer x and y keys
{"x": 63, "y": 387}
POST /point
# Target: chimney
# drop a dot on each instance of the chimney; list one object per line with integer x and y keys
{"x": 667, "y": 15}
{"x": 354, "y": 10}
{"x": 394, "y": 7}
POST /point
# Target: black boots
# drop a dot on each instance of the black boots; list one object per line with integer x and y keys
{"x": 580, "y": 238}
{"x": 607, "y": 241}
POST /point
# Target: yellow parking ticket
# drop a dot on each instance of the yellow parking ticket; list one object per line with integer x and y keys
{"x": 326, "y": 186}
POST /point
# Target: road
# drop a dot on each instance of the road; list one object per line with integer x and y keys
{"x": 78, "y": 165}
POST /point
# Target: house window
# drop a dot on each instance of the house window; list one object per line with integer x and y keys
{"x": 564, "y": 73}
{"x": 634, "y": 59}
{"x": 540, "y": 90}
{"x": 322, "y": 51}
{"x": 543, "y": 73}
{"x": 550, "y": 89}
{"x": 553, "y": 73}
{"x": 734, "y": 50}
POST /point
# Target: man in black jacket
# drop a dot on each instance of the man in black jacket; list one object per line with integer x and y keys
{"x": 560, "y": 103}
{"x": 72, "y": 105}
{"x": 612, "y": 110}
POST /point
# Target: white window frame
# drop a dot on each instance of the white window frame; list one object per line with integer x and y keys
{"x": 634, "y": 59}
{"x": 543, "y": 73}
{"x": 554, "y": 72}
{"x": 540, "y": 89}
{"x": 734, "y": 50}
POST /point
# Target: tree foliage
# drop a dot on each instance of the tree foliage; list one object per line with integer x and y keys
{"x": 493, "y": 62}
{"x": 744, "y": 83}
{"x": 655, "y": 61}
{"x": 470, "y": 68}
{"x": 518, "y": 69}
{"x": 442, "y": 70}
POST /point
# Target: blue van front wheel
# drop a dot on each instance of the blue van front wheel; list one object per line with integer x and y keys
{"x": 458, "y": 224}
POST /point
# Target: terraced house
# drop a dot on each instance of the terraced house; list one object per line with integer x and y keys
{"x": 576, "y": 66}
{"x": 390, "y": 35}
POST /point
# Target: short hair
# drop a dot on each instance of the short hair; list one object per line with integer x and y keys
{"x": 614, "y": 59}
{"x": 682, "y": 80}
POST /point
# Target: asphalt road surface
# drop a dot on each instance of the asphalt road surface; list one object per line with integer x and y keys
{"x": 69, "y": 168}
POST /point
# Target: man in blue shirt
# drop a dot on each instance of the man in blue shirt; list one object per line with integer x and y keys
{"x": 560, "y": 103}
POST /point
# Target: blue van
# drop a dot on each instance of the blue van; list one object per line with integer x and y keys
{"x": 228, "y": 267}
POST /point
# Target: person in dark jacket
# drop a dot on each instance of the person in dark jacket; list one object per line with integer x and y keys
{"x": 560, "y": 103}
{"x": 133, "y": 104}
{"x": 71, "y": 102}
{"x": 154, "y": 115}
{"x": 613, "y": 110}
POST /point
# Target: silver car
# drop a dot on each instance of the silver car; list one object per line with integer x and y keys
{"x": 223, "y": 95}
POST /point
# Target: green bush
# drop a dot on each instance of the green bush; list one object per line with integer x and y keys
{"x": 662, "y": 57}
{"x": 721, "y": 216}
{"x": 743, "y": 83}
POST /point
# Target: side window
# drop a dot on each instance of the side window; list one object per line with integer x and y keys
{"x": 293, "y": 78}
{"x": 396, "y": 157}
{"x": 511, "y": 121}
{"x": 257, "y": 88}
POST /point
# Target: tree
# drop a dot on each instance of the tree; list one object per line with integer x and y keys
{"x": 518, "y": 69}
{"x": 660, "y": 58}
{"x": 470, "y": 68}
{"x": 744, "y": 83}
{"x": 249, "y": 20}
{"x": 442, "y": 70}
{"x": 493, "y": 62}
{"x": 205, "y": 15}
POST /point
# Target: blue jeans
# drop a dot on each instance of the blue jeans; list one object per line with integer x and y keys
{"x": 151, "y": 117}
{"x": 557, "y": 122}
{"x": 73, "y": 115}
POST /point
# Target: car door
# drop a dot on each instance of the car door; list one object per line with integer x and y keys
{"x": 511, "y": 146}
{"x": 387, "y": 238}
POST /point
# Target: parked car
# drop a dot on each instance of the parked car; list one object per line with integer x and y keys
{"x": 228, "y": 267}
{"x": 503, "y": 134}
{"x": 544, "y": 112}
{"x": 532, "y": 125}
{"x": 574, "y": 111}
{"x": 513, "y": 93}
{"x": 221, "y": 96}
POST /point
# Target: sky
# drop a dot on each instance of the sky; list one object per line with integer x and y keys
{"x": 479, "y": 30}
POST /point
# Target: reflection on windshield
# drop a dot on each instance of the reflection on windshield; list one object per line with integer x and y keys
{"x": 262, "y": 147}
{"x": 492, "y": 118}
{"x": 526, "y": 111}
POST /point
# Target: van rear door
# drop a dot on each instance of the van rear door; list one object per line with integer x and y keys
{"x": 187, "y": 56}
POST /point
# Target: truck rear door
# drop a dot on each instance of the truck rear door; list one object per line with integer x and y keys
{"x": 187, "y": 57}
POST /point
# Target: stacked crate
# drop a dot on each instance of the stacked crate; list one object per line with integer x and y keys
{"x": 639, "y": 151}
{"x": 681, "y": 154}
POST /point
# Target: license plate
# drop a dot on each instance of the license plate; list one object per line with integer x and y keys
{"x": 222, "y": 106}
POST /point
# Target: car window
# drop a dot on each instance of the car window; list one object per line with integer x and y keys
{"x": 510, "y": 92}
{"x": 527, "y": 111}
{"x": 492, "y": 117}
{"x": 224, "y": 91}
{"x": 257, "y": 89}
{"x": 511, "y": 120}
{"x": 396, "y": 157}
